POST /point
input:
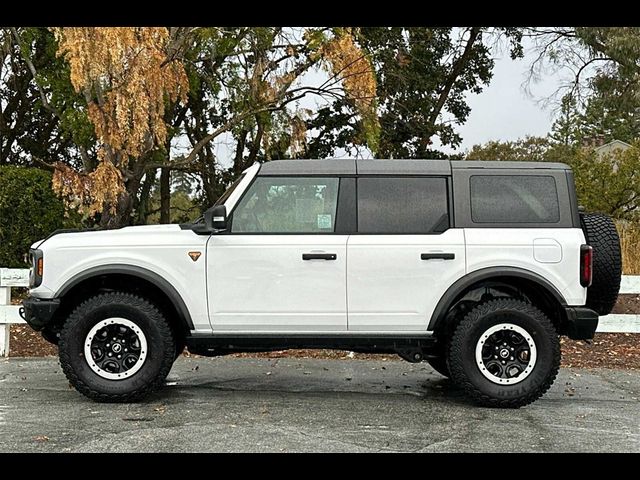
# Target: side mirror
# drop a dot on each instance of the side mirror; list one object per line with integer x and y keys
{"x": 216, "y": 218}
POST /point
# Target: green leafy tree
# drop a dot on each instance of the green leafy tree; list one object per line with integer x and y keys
{"x": 566, "y": 128}
{"x": 42, "y": 119}
{"x": 29, "y": 211}
{"x": 609, "y": 113}
{"x": 531, "y": 149}
{"x": 609, "y": 183}
{"x": 423, "y": 75}
{"x": 603, "y": 94}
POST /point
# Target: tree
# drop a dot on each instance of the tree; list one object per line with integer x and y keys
{"x": 29, "y": 211}
{"x": 604, "y": 63}
{"x": 609, "y": 113}
{"x": 42, "y": 119}
{"x": 245, "y": 87}
{"x": 608, "y": 184}
{"x": 422, "y": 77}
{"x": 566, "y": 128}
{"x": 116, "y": 113}
{"x": 531, "y": 149}
{"x": 125, "y": 75}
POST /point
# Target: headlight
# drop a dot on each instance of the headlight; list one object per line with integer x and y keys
{"x": 37, "y": 268}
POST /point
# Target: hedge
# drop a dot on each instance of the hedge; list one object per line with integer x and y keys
{"x": 29, "y": 211}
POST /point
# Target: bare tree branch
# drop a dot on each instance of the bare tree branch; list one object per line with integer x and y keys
{"x": 456, "y": 69}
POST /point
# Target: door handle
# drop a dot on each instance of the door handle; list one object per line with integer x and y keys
{"x": 437, "y": 256}
{"x": 319, "y": 256}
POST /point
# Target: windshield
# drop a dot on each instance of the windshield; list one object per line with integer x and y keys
{"x": 228, "y": 191}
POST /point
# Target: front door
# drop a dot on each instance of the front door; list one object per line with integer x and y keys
{"x": 404, "y": 256}
{"x": 280, "y": 267}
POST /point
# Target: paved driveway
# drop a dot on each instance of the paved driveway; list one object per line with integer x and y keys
{"x": 285, "y": 405}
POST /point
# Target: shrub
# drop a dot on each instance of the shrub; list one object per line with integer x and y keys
{"x": 29, "y": 211}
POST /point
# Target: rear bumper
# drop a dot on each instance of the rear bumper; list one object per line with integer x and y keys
{"x": 39, "y": 312}
{"x": 581, "y": 323}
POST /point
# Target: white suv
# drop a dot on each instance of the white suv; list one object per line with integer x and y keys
{"x": 475, "y": 267}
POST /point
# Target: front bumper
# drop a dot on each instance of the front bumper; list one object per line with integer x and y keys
{"x": 39, "y": 312}
{"x": 581, "y": 323}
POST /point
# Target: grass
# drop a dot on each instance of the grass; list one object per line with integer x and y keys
{"x": 629, "y": 244}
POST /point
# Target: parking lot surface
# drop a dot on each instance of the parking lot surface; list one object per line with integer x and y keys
{"x": 290, "y": 405}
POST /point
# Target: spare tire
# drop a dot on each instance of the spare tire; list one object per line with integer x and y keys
{"x": 601, "y": 234}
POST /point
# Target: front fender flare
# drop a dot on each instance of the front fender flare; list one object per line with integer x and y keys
{"x": 162, "y": 283}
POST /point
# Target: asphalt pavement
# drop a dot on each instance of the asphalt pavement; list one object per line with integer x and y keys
{"x": 299, "y": 405}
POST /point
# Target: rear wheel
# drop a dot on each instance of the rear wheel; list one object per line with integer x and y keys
{"x": 116, "y": 347}
{"x": 504, "y": 353}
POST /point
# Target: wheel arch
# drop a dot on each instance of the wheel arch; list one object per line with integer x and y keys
{"x": 115, "y": 276}
{"x": 506, "y": 275}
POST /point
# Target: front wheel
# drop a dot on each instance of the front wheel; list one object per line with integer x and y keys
{"x": 504, "y": 353}
{"x": 116, "y": 347}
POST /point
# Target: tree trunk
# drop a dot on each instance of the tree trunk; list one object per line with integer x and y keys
{"x": 237, "y": 161}
{"x": 122, "y": 215}
{"x": 142, "y": 211}
{"x": 125, "y": 205}
{"x": 165, "y": 195}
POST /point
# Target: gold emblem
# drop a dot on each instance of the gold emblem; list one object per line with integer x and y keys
{"x": 195, "y": 255}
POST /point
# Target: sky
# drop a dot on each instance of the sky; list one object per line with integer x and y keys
{"x": 504, "y": 110}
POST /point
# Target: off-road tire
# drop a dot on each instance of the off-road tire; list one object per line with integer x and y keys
{"x": 160, "y": 345}
{"x": 602, "y": 235}
{"x": 466, "y": 374}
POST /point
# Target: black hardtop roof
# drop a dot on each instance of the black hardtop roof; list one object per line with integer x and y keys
{"x": 350, "y": 166}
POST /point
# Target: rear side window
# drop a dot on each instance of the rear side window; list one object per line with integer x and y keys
{"x": 514, "y": 199}
{"x": 402, "y": 205}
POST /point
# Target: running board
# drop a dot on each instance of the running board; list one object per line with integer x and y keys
{"x": 221, "y": 344}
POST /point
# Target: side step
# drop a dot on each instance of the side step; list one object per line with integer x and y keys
{"x": 410, "y": 348}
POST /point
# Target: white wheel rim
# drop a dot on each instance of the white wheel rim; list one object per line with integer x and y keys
{"x": 94, "y": 365}
{"x": 480, "y": 363}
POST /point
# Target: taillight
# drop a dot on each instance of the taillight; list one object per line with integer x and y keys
{"x": 586, "y": 265}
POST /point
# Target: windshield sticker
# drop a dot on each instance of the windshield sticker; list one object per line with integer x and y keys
{"x": 324, "y": 221}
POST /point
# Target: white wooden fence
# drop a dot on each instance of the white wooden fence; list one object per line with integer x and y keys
{"x": 11, "y": 277}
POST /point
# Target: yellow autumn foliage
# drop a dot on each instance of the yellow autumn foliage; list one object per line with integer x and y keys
{"x": 351, "y": 65}
{"x": 125, "y": 76}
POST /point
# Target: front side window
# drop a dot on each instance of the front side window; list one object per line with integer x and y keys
{"x": 402, "y": 205}
{"x": 514, "y": 199}
{"x": 288, "y": 205}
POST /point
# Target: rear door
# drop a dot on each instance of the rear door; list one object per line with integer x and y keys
{"x": 404, "y": 256}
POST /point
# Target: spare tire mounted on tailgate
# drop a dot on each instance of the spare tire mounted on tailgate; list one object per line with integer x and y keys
{"x": 601, "y": 234}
